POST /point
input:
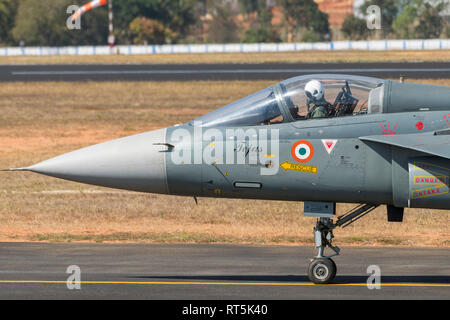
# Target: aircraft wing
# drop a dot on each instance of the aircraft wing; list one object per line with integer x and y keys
{"x": 435, "y": 143}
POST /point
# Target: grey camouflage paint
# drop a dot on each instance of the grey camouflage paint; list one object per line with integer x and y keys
{"x": 399, "y": 156}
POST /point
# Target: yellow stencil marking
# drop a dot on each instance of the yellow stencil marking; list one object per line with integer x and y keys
{"x": 298, "y": 167}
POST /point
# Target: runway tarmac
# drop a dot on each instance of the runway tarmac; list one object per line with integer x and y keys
{"x": 144, "y": 271}
{"x": 189, "y": 72}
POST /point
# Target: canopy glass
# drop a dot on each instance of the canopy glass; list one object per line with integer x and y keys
{"x": 287, "y": 101}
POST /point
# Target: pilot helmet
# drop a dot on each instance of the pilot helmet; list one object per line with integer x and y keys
{"x": 314, "y": 90}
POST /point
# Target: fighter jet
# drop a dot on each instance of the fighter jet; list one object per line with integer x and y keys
{"x": 318, "y": 139}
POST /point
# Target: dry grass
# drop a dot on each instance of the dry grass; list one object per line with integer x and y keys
{"x": 302, "y": 56}
{"x": 41, "y": 120}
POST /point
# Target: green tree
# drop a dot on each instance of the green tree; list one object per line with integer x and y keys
{"x": 176, "y": 15}
{"x": 389, "y": 10}
{"x": 431, "y": 23}
{"x": 354, "y": 28}
{"x": 223, "y": 28}
{"x": 403, "y": 24}
{"x": 311, "y": 36}
{"x": 262, "y": 30}
{"x": 148, "y": 31}
{"x": 43, "y": 23}
{"x": 8, "y": 10}
{"x": 301, "y": 15}
{"x": 420, "y": 19}
{"x": 251, "y": 6}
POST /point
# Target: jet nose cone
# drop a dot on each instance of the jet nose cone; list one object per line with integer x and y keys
{"x": 131, "y": 163}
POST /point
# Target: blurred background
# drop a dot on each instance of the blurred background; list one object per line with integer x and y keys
{"x": 62, "y": 89}
{"x": 43, "y": 22}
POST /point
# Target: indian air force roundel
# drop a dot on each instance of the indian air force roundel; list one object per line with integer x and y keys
{"x": 302, "y": 151}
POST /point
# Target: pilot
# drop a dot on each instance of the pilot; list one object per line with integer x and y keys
{"x": 315, "y": 93}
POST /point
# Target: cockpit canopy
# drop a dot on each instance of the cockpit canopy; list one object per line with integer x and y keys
{"x": 344, "y": 95}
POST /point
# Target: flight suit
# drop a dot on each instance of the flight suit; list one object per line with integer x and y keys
{"x": 319, "y": 112}
{"x": 320, "y": 109}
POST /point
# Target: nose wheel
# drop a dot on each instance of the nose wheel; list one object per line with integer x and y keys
{"x": 322, "y": 269}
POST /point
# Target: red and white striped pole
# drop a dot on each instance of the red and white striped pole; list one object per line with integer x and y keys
{"x": 92, "y": 5}
{"x": 111, "y": 38}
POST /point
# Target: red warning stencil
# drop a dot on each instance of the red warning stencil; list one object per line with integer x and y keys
{"x": 420, "y": 126}
{"x": 329, "y": 145}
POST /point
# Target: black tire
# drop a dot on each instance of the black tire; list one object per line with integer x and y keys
{"x": 335, "y": 268}
{"x": 322, "y": 271}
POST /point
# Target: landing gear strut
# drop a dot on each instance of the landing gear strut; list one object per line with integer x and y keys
{"x": 322, "y": 269}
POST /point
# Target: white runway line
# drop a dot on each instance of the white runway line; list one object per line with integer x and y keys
{"x": 63, "y": 192}
{"x": 223, "y": 71}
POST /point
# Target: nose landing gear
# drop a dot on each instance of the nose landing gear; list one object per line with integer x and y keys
{"x": 322, "y": 269}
